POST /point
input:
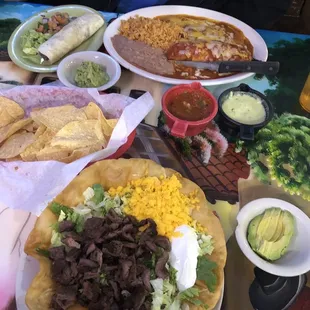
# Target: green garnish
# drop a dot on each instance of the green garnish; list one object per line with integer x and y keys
{"x": 192, "y": 295}
{"x": 55, "y": 226}
{"x": 173, "y": 275}
{"x": 205, "y": 272}
{"x": 280, "y": 152}
{"x": 43, "y": 252}
{"x": 99, "y": 193}
{"x": 103, "y": 279}
{"x": 78, "y": 220}
{"x": 56, "y": 208}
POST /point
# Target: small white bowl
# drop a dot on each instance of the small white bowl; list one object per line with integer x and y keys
{"x": 296, "y": 261}
{"x": 67, "y": 68}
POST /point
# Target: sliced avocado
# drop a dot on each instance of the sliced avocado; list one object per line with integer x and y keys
{"x": 253, "y": 238}
{"x": 270, "y": 233}
{"x": 276, "y": 227}
{"x": 279, "y": 229}
{"x": 267, "y": 226}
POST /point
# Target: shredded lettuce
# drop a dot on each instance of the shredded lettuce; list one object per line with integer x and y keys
{"x": 31, "y": 41}
{"x": 62, "y": 216}
{"x": 158, "y": 294}
{"x": 169, "y": 292}
{"x": 176, "y": 305}
{"x": 163, "y": 295}
{"x": 88, "y": 194}
{"x": 205, "y": 244}
{"x": 97, "y": 203}
{"x": 56, "y": 239}
{"x": 78, "y": 220}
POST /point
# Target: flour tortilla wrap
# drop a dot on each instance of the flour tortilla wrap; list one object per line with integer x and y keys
{"x": 70, "y": 37}
{"x": 114, "y": 173}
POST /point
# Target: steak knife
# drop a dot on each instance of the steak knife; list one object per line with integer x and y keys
{"x": 260, "y": 67}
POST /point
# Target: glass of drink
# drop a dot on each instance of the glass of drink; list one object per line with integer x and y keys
{"x": 304, "y": 98}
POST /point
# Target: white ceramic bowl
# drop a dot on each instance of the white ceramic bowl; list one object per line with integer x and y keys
{"x": 296, "y": 261}
{"x": 260, "y": 47}
{"x": 67, "y": 68}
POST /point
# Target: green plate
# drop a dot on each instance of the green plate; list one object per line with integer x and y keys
{"x": 14, "y": 45}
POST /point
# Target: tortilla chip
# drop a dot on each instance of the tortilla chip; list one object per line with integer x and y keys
{"x": 41, "y": 129}
{"x": 31, "y": 127}
{"x": 52, "y": 153}
{"x": 112, "y": 122}
{"x": 93, "y": 111}
{"x": 116, "y": 173}
{"x": 29, "y": 154}
{"x": 79, "y": 153}
{"x": 10, "y": 111}
{"x": 8, "y": 130}
{"x": 16, "y": 144}
{"x": 57, "y": 117}
{"x": 16, "y": 158}
{"x": 79, "y": 134}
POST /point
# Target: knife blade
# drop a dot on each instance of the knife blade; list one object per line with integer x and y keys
{"x": 260, "y": 67}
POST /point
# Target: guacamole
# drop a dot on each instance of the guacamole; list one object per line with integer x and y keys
{"x": 90, "y": 74}
{"x": 31, "y": 41}
{"x": 270, "y": 233}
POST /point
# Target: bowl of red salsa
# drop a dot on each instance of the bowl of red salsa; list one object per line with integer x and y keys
{"x": 188, "y": 109}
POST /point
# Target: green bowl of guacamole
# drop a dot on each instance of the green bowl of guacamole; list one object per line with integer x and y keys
{"x": 89, "y": 70}
{"x": 90, "y": 74}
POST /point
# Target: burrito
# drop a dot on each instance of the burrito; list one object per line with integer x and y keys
{"x": 70, "y": 37}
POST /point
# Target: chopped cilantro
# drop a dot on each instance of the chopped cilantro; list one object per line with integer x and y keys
{"x": 173, "y": 275}
{"x": 150, "y": 264}
{"x": 56, "y": 208}
{"x": 78, "y": 220}
{"x": 43, "y": 252}
{"x": 55, "y": 226}
{"x": 99, "y": 193}
{"x": 103, "y": 279}
{"x": 205, "y": 272}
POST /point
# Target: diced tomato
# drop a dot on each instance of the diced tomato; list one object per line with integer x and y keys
{"x": 40, "y": 28}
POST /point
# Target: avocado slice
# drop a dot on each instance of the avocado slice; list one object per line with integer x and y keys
{"x": 253, "y": 238}
{"x": 268, "y": 226}
{"x": 270, "y": 233}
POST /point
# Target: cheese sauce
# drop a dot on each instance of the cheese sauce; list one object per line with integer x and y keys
{"x": 244, "y": 108}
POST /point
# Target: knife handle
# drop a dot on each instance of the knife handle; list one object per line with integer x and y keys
{"x": 261, "y": 67}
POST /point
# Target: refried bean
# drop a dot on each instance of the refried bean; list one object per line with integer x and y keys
{"x": 142, "y": 55}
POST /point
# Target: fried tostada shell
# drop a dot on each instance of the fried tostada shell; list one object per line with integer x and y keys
{"x": 113, "y": 173}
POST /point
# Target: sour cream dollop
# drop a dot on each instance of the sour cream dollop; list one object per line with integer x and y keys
{"x": 183, "y": 257}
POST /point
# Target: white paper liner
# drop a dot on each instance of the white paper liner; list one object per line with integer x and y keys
{"x": 30, "y": 186}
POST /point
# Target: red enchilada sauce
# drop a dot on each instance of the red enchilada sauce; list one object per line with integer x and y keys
{"x": 190, "y": 106}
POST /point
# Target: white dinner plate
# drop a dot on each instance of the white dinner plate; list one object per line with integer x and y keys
{"x": 296, "y": 260}
{"x": 27, "y": 269}
{"x": 260, "y": 47}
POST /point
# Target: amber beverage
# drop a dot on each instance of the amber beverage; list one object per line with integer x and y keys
{"x": 304, "y": 98}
